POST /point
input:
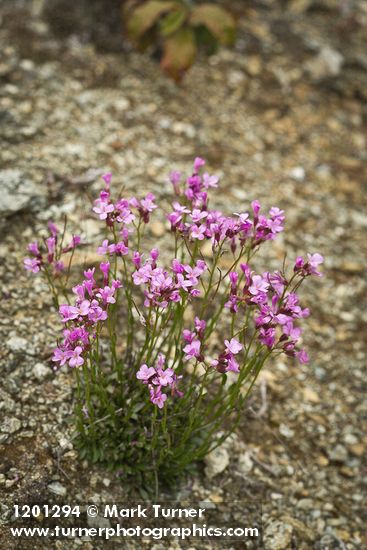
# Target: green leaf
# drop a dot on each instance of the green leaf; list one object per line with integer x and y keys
{"x": 173, "y": 21}
{"x": 144, "y": 17}
{"x": 179, "y": 52}
{"x": 95, "y": 454}
{"x": 218, "y": 20}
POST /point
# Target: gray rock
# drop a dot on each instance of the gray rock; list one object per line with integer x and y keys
{"x": 57, "y": 489}
{"x": 10, "y": 425}
{"x": 40, "y": 371}
{"x": 245, "y": 463}
{"x": 306, "y": 504}
{"x": 278, "y": 536}
{"x": 286, "y": 431}
{"x": 6, "y": 402}
{"x": 338, "y": 453}
{"x": 327, "y": 63}
{"x": 17, "y": 192}
{"x": 298, "y": 173}
{"x": 329, "y": 541}
{"x": 16, "y": 344}
{"x": 216, "y": 462}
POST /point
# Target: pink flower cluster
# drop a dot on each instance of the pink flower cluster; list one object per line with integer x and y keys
{"x": 121, "y": 210}
{"x": 120, "y": 248}
{"x": 50, "y": 253}
{"x": 164, "y": 287}
{"x": 196, "y": 222}
{"x": 194, "y": 339}
{"x": 193, "y": 349}
{"x": 82, "y": 319}
{"x": 226, "y": 360}
{"x": 309, "y": 267}
{"x": 269, "y": 301}
{"x": 277, "y": 309}
{"x": 158, "y": 378}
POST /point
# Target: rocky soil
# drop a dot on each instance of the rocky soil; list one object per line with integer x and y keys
{"x": 284, "y": 118}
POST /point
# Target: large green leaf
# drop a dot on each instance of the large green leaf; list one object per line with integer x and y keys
{"x": 179, "y": 52}
{"x": 145, "y": 16}
{"x": 218, "y": 20}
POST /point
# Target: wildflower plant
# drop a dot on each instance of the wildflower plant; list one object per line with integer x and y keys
{"x": 178, "y": 29}
{"x": 165, "y": 354}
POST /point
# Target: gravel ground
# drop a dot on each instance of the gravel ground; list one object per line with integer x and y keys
{"x": 283, "y": 118}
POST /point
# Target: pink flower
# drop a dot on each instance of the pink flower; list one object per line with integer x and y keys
{"x": 200, "y": 326}
{"x": 76, "y": 239}
{"x": 104, "y": 267}
{"x": 198, "y": 163}
{"x": 232, "y": 365}
{"x": 198, "y": 232}
{"x": 180, "y": 209}
{"x": 292, "y": 332}
{"x": 255, "y": 205}
{"x": 145, "y": 206}
{"x": 315, "y": 260}
{"x": 157, "y": 397}
{"x": 145, "y": 373}
{"x": 61, "y": 356}
{"x": 59, "y": 266}
{"x": 197, "y": 215}
{"x": 148, "y": 203}
{"x": 68, "y": 313}
{"x": 75, "y": 359}
{"x": 175, "y": 177}
{"x": 89, "y": 285}
{"x": 33, "y": 248}
{"x": 84, "y": 307}
{"x": 310, "y": 267}
{"x": 154, "y": 254}
{"x": 53, "y": 229}
{"x": 258, "y": 285}
{"x": 188, "y": 336}
{"x": 121, "y": 249}
{"x": 107, "y": 178}
{"x": 136, "y": 259}
{"x": 89, "y": 273}
{"x": 106, "y": 295}
{"x": 96, "y": 313}
{"x": 51, "y": 243}
{"x": 233, "y": 346}
{"x": 125, "y": 216}
{"x": 165, "y": 377}
{"x": 79, "y": 290}
{"x": 32, "y": 264}
{"x": 267, "y": 336}
{"x": 177, "y": 267}
{"x": 275, "y": 212}
{"x": 143, "y": 275}
{"x": 299, "y": 263}
{"x": 105, "y": 248}
{"x": 302, "y": 357}
{"x": 233, "y": 277}
{"x": 192, "y": 349}
{"x": 210, "y": 181}
{"x": 102, "y": 208}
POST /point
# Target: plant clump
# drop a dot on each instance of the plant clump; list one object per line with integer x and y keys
{"x": 166, "y": 354}
{"x": 178, "y": 29}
